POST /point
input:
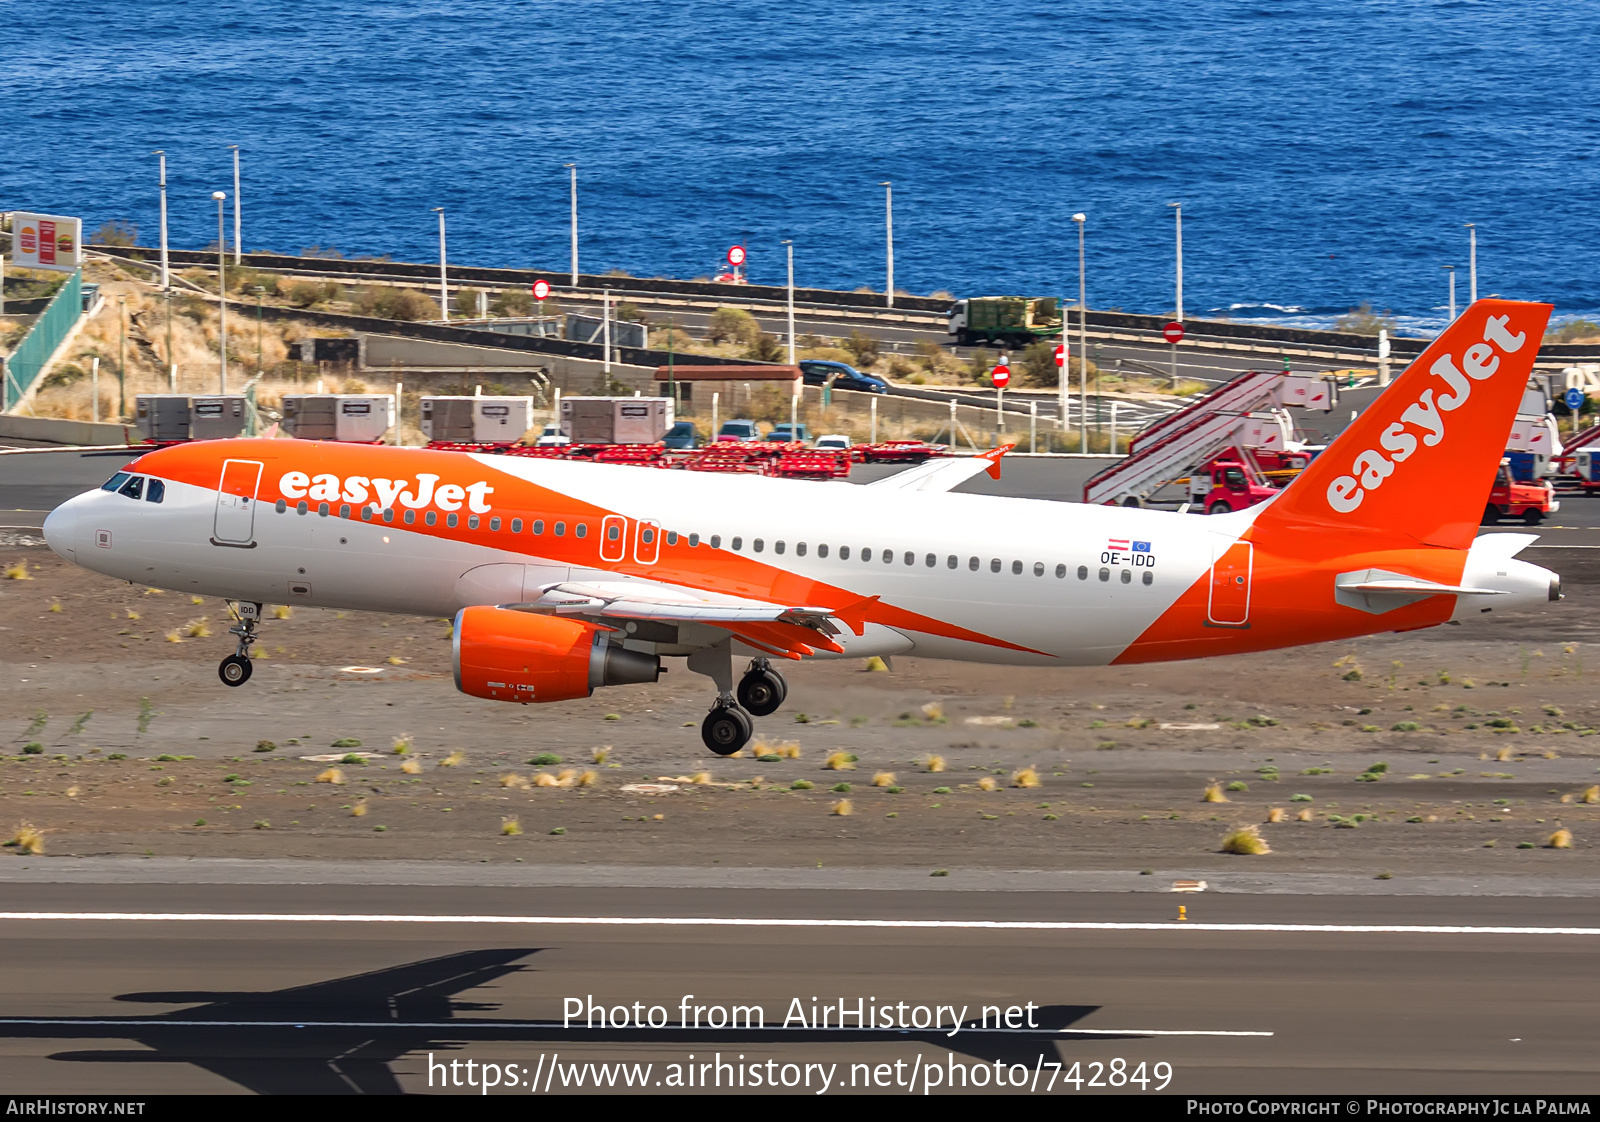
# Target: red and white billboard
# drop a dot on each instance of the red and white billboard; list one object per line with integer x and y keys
{"x": 46, "y": 241}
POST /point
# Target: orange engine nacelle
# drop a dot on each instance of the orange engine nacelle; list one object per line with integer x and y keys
{"x": 518, "y": 656}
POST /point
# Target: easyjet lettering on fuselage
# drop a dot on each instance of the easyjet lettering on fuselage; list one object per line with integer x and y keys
{"x": 384, "y": 493}
{"x": 1371, "y": 468}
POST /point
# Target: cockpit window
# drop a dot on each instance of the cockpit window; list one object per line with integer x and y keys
{"x": 156, "y": 491}
{"x": 133, "y": 487}
{"x": 115, "y": 482}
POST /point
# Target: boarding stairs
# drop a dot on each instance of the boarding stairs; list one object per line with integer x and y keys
{"x": 1248, "y": 412}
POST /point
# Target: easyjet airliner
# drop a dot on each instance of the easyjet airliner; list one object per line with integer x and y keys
{"x": 563, "y": 576}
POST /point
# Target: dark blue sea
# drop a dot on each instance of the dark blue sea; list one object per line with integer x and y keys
{"x": 1326, "y": 153}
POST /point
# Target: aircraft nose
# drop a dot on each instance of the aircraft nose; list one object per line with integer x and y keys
{"x": 60, "y": 530}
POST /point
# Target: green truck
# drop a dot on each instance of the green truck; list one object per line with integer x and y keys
{"x": 1004, "y": 319}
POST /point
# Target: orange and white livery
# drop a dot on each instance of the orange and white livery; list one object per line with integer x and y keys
{"x": 562, "y": 576}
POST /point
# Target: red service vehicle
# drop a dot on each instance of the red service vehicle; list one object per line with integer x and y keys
{"x": 1510, "y": 498}
{"x": 1232, "y": 481}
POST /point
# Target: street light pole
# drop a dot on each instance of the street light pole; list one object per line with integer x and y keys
{"x": 1178, "y": 316}
{"x": 1451, "y": 269}
{"x": 1178, "y": 217}
{"x": 1083, "y": 340}
{"x": 574, "y": 169}
{"x": 1472, "y": 253}
{"x": 222, "y": 293}
{"x": 788, "y": 244}
{"x": 444, "y": 288}
{"x": 888, "y": 241}
{"x": 238, "y": 250}
{"x": 166, "y": 279}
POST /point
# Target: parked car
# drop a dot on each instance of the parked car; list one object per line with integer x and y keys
{"x": 788, "y": 434}
{"x": 551, "y": 437}
{"x": 818, "y": 372}
{"x": 738, "y": 430}
{"x": 682, "y": 435}
{"x": 833, "y": 442}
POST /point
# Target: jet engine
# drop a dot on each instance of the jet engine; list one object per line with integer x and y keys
{"x": 505, "y": 655}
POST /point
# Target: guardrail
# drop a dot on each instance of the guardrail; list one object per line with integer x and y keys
{"x": 30, "y": 356}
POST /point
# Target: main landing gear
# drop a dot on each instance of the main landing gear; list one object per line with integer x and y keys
{"x": 727, "y": 727}
{"x": 762, "y": 689}
{"x": 235, "y": 669}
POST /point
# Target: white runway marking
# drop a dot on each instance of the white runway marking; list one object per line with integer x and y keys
{"x": 893, "y": 924}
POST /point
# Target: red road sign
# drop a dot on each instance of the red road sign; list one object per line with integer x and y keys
{"x": 736, "y": 256}
{"x": 1173, "y": 332}
{"x": 1061, "y": 354}
{"x": 541, "y": 289}
{"x": 1001, "y": 374}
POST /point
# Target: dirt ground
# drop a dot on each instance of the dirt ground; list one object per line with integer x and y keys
{"x": 1486, "y": 731}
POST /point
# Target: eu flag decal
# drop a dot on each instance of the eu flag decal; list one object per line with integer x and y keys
{"x": 1141, "y": 547}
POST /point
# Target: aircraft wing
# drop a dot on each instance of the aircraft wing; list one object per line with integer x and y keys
{"x": 944, "y": 474}
{"x": 790, "y": 630}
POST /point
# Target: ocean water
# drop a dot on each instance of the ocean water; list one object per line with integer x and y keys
{"x": 1326, "y": 153}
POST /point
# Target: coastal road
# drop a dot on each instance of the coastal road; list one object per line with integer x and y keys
{"x": 136, "y": 1004}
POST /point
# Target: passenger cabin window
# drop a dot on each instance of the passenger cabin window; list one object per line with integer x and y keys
{"x": 844, "y": 553}
{"x": 430, "y": 518}
{"x": 561, "y": 529}
{"x": 538, "y": 525}
{"x": 133, "y": 488}
{"x": 516, "y": 525}
{"x": 344, "y": 510}
{"x": 716, "y": 541}
{"x": 280, "y": 506}
{"x": 931, "y": 560}
{"x": 777, "y": 547}
{"x": 822, "y": 550}
{"x": 866, "y": 553}
{"x": 972, "y": 563}
{"x": 1127, "y": 576}
{"x": 1016, "y": 568}
{"x": 800, "y": 549}
{"x": 472, "y": 521}
{"x": 758, "y": 545}
{"x": 952, "y": 561}
{"x": 1038, "y": 568}
{"x": 1149, "y": 577}
{"x": 115, "y": 483}
{"x": 738, "y": 544}
{"x": 994, "y": 564}
{"x": 672, "y": 537}
{"x": 451, "y": 520}
{"x": 1105, "y": 574}
{"x": 694, "y": 540}
{"x": 1083, "y": 572}
{"x": 494, "y": 523}
{"x": 583, "y": 530}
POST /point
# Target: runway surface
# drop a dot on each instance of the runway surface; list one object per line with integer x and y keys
{"x": 343, "y": 1003}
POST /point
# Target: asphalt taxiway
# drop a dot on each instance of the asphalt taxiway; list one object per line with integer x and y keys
{"x": 325, "y": 988}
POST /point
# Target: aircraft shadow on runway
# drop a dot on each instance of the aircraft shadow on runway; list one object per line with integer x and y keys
{"x": 341, "y": 1036}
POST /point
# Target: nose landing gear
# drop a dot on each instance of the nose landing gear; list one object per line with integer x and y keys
{"x": 235, "y": 669}
{"x": 762, "y": 689}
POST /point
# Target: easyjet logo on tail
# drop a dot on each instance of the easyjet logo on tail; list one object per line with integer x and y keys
{"x": 1424, "y": 419}
{"x": 424, "y": 491}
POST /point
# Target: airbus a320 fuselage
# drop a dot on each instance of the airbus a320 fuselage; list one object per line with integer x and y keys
{"x": 564, "y": 576}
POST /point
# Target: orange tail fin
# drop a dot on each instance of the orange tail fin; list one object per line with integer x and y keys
{"x": 1418, "y": 464}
